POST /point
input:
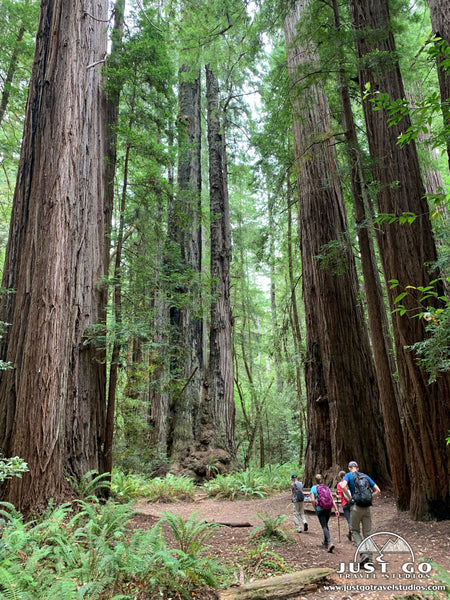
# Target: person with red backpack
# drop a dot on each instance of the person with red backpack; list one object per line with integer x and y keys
{"x": 324, "y": 502}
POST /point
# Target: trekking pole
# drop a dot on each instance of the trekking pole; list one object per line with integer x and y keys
{"x": 339, "y": 528}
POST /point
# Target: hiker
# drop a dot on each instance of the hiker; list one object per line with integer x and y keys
{"x": 345, "y": 501}
{"x": 297, "y": 501}
{"x": 363, "y": 489}
{"x": 323, "y": 501}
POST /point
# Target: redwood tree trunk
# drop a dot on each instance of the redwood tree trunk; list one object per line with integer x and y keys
{"x": 184, "y": 231}
{"x": 440, "y": 23}
{"x": 52, "y": 403}
{"x": 378, "y": 322}
{"x": 344, "y": 418}
{"x": 406, "y": 252}
{"x": 221, "y": 378}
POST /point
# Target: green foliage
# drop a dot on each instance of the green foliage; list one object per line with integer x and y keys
{"x": 249, "y": 483}
{"x": 271, "y": 528}
{"x": 90, "y": 553}
{"x": 90, "y": 484}
{"x": 262, "y": 562}
{"x": 190, "y": 535}
{"x": 443, "y": 575}
{"x": 171, "y": 488}
{"x": 12, "y": 467}
{"x": 252, "y": 482}
{"x": 433, "y": 352}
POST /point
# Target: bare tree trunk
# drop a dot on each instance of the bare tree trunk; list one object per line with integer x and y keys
{"x": 296, "y": 330}
{"x": 440, "y": 23}
{"x": 406, "y": 252}
{"x": 344, "y": 417}
{"x": 52, "y": 403}
{"x": 221, "y": 378}
{"x": 112, "y": 115}
{"x": 185, "y": 234}
{"x": 12, "y": 68}
{"x": 378, "y": 321}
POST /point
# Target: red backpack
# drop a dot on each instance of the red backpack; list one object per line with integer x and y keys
{"x": 324, "y": 500}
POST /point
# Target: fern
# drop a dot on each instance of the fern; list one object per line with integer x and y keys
{"x": 271, "y": 527}
{"x": 90, "y": 484}
{"x": 190, "y": 535}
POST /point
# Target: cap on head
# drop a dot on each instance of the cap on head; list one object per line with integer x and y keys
{"x": 294, "y": 476}
{"x": 353, "y": 464}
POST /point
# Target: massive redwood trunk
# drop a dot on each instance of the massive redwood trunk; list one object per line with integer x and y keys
{"x": 406, "y": 252}
{"x": 440, "y": 23}
{"x": 186, "y": 323}
{"x": 380, "y": 336}
{"x": 52, "y": 402}
{"x": 344, "y": 418}
{"x": 221, "y": 381}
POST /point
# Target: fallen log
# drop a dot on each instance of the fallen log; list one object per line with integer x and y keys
{"x": 231, "y": 523}
{"x": 283, "y": 587}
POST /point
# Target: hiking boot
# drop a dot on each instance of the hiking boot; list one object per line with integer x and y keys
{"x": 299, "y": 530}
{"x": 305, "y": 527}
{"x": 364, "y": 559}
{"x": 331, "y": 548}
{"x": 349, "y": 535}
{"x": 325, "y": 545}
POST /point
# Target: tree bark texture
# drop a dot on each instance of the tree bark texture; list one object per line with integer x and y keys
{"x": 378, "y": 322}
{"x": 52, "y": 403}
{"x": 406, "y": 252}
{"x": 221, "y": 377}
{"x": 440, "y": 24}
{"x": 112, "y": 117}
{"x": 344, "y": 418}
{"x": 184, "y": 229}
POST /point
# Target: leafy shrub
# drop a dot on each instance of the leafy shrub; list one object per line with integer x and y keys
{"x": 12, "y": 467}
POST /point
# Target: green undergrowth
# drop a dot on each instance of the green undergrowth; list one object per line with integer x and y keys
{"x": 251, "y": 483}
{"x": 171, "y": 488}
{"x": 89, "y": 550}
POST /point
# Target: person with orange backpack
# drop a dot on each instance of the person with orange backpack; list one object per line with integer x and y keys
{"x": 324, "y": 502}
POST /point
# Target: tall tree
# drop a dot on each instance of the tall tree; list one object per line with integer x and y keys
{"x": 184, "y": 231}
{"x": 112, "y": 116}
{"x": 440, "y": 23}
{"x": 344, "y": 416}
{"x": 376, "y": 310}
{"x": 52, "y": 401}
{"x": 406, "y": 250}
{"x": 221, "y": 379}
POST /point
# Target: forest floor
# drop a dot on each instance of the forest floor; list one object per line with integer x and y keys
{"x": 232, "y": 545}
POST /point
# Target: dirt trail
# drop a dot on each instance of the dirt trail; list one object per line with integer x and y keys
{"x": 428, "y": 540}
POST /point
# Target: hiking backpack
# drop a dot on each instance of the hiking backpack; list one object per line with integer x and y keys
{"x": 363, "y": 492}
{"x": 324, "y": 500}
{"x": 298, "y": 491}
